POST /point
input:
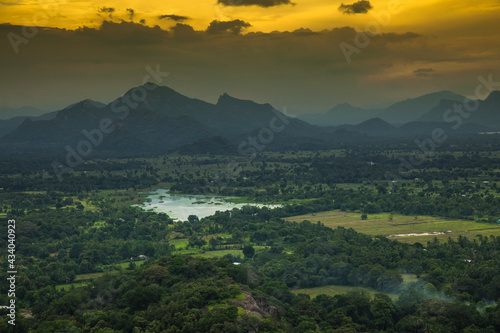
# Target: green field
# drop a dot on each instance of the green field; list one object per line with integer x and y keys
{"x": 205, "y": 252}
{"x": 84, "y": 279}
{"x": 333, "y": 290}
{"x": 410, "y": 229}
{"x": 181, "y": 247}
{"x": 81, "y": 280}
{"x": 218, "y": 253}
{"x": 338, "y": 290}
{"x": 68, "y": 286}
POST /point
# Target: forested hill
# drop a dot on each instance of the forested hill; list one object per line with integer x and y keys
{"x": 165, "y": 121}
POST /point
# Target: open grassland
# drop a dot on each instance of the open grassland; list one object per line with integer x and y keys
{"x": 333, "y": 290}
{"x": 218, "y": 253}
{"x": 68, "y": 286}
{"x": 82, "y": 280}
{"x": 408, "y": 278}
{"x": 181, "y": 248}
{"x": 410, "y": 229}
{"x": 89, "y": 276}
{"x": 337, "y": 290}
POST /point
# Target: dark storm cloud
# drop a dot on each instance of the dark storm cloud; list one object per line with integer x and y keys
{"x": 63, "y": 66}
{"x": 424, "y": 72}
{"x": 106, "y": 10}
{"x": 185, "y": 32}
{"x": 173, "y": 17}
{"x": 304, "y": 32}
{"x": 312, "y": 43}
{"x": 115, "y": 34}
{"x": 359, "y": 7}
{"x": 393, "y": 37}
{"x": 260, "y": 3}
{"x": 234, "y": 26}
{"x": 131, "y": 13}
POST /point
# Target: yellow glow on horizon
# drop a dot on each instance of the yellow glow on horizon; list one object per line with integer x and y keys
{"x": 317, "y": 15}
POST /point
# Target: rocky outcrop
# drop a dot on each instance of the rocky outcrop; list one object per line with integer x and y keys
{"x": 256, "y": 305}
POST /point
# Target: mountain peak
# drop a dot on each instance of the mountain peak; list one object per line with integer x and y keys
{"x": 493, "y": 96}
{"x": 153, "y": 89}
{"x": 162, "y": 89}
{"x": 86, "y": 104}
{"x": 376, "y": 121}
{"x": 242, "y": 105}
{"x": 151, "y": 85}
{"x": 225, "y": 98}
{"x": 343, "y": 107}
{"x": 443, "y": 94}
{"x": 81, "y": 109}
{"x": 375, "y": 124}
{"x": 414, "y": 108}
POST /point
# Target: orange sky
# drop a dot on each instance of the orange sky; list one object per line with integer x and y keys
{"x": 314, "y": 14}
{"x": 452, "y": 41}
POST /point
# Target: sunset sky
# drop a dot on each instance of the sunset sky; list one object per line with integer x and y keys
{"x": 285, "y": 52}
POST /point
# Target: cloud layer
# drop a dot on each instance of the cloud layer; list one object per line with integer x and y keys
{"x": 424, "y": 72}
{"x": 173, "y": 17}
{"x": 234, "y": 26}
{"x": 260, "y": 3}
{"x": 359, "y": 7}
{"x": 106, "y": 10}
{"x": 302, "y": 69}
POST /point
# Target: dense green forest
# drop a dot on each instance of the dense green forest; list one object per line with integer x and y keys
{"x": 236, "y": 271}
{"x": 457, "y": 277}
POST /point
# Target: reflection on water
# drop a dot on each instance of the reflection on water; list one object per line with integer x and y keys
{"x": 180, "y": 206}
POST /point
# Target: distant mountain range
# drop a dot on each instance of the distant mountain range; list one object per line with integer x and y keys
{"x": 397, "y": 114}
{"x": 486, "y": 113}
{"x": 25, "y": 111}
{"x": 160, "y": 119}
{"x": 7, "y": 126}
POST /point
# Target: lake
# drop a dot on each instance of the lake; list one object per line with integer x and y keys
{"x": 180, "y": 206}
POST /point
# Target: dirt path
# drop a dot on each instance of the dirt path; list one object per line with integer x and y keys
{"x": 483, "y": 229}
{"x": 316, "y": 217}
{"x": 335, "y": 291}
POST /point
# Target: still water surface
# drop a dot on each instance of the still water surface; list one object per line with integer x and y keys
{"x": 180, "y": 206}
